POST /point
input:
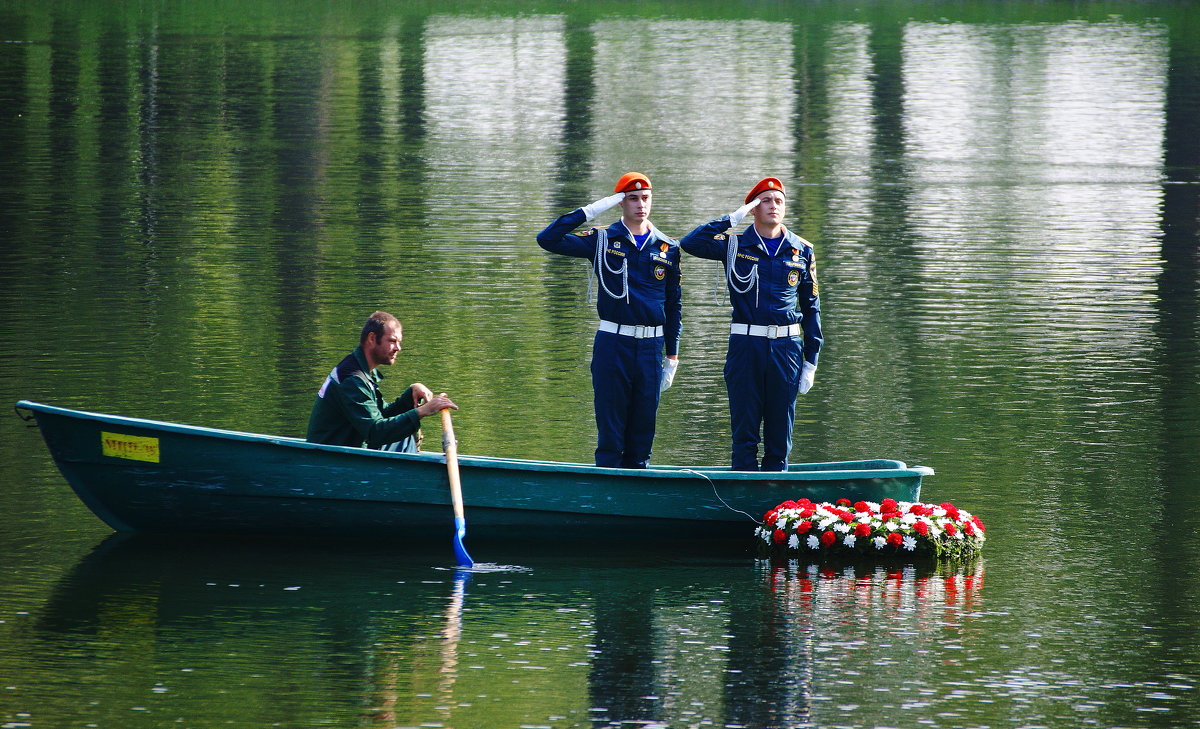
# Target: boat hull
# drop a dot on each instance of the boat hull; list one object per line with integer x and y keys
{"x": 149, "y": 476}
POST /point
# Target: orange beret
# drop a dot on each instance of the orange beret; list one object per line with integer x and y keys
{"x": 631, "y": 181}
{"x": 766, "y": 183}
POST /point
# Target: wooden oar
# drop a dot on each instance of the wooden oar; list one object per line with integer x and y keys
{"x": 450, "y": 446}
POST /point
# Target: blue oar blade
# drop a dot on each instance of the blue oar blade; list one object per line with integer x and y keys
{"x": 460, "y": 551}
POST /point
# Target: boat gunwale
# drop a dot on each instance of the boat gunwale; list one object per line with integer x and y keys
{"x": 495, "y": 462}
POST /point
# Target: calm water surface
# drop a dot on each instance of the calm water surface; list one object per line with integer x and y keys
{"x": 202, "y": 203}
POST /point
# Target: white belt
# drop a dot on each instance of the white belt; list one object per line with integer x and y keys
{"x": 637, "y": 331}
{"x": 770, "y": 331}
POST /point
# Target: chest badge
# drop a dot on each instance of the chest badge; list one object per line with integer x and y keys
{"x": 793, "y": 278}
{"x": 660, "y": 272}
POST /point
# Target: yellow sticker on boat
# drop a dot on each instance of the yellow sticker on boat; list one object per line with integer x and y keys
{"x": 131, "y": 447}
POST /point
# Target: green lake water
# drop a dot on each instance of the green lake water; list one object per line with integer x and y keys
{"x": 201, "y": 202}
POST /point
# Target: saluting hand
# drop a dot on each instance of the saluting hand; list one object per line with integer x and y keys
{"x": 591, "y": 210}
{"x": 737, "y": 216}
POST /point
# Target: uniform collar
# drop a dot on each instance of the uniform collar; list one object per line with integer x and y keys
{"x": 751, "y": 239}
{"x": 618, "y": 229}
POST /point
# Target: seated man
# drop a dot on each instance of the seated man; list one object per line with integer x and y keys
{"x": 350, "y": 409}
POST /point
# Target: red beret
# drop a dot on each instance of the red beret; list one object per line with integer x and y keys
{"x": 631, "y": 181}
{"x": 766, "y": 183}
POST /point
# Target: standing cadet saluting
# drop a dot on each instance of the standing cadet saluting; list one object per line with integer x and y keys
{"x": 639, "y": 300}
{"x": 776, "y": 331}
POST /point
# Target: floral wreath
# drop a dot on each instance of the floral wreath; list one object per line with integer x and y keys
{"x": 864, "y": 528}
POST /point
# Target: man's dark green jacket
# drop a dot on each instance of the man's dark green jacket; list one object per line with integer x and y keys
{"x": 350, "y": 409}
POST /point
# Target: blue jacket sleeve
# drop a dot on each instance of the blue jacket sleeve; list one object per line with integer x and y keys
{"x": 557, "y": 237}
{"x": 702, "y": 241}
{"x": 809, "y": 301}
{"x": 673, "y": 308}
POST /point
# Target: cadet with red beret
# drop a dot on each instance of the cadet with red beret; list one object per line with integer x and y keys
{"x": 775, "y": 336}
{"x": 639, "y": 301}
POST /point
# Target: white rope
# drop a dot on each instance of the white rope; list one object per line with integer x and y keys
{"x": 748, "y": 281}
{"x": 714, "y": 490}
{"x": 602, "y": 266}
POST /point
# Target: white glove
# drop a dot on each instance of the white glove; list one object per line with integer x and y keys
{"x": 591, "y": 210}
{"x": 668, "y": 376}
{"x": 807, "y": 372}
{"x": 737, "y": 216}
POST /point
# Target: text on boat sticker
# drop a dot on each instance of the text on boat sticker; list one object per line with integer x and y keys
{"x": 131, "y": 447}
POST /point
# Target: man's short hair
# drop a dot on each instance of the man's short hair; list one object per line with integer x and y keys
{"x": 376, "y": 323}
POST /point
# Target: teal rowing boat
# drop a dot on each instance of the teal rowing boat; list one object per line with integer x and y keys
{"x": 148, "y": 476}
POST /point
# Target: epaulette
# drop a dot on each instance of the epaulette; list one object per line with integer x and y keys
{"x": 589, "y": 231}
{"x": 719, "y": 236}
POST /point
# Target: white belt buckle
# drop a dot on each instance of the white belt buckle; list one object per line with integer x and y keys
{"x": 772, "y": 331}
{"x": 639, "y": 331}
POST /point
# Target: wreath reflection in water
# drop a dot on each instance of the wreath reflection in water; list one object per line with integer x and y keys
{"x": 804, "y": 529}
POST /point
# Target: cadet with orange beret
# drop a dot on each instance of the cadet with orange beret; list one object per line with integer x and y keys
{"x": 639, "y": 301}
{"x": 775, "y": 335}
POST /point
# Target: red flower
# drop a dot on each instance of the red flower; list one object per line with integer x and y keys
{"x": 894, "y": 539}
{"x": 889, "y": 505}
{"x": 843, "y": 501}
{"x": 918, "y": 509}
{"x": 789, "y": 504}
{"x": 807, "y": 511}
{"x": 861, "y": 506}
{"x": 770, "y": 516}
{"x": 803, "y": 527}
{"x": 978, "y": 522}
{"x": 862, "y": 530}
{"x": 922, "y": 528}
{"x": 951, "y": 510}
{"x": 779, "y": 535}
{"x": 969, "y": 529}
{"x": 888, "y": 515}
{"x": 828, "y": 538}
{"x": 846, "y": 517}
{"x": 951, "y": 529}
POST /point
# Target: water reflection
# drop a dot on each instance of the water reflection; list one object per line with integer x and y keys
{"x": 341, "y": 631}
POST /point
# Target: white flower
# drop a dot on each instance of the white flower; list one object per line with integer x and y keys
{"x": 909, "y": 543}
{"x": 880, "y": 542}
{"x": 891, "y": 526}
{"x": 794, "y": 541}
{"x": 813, "y": 542}
{"x": 842, "y": 527}
{"x": 849, "y": 540}
{"x": 826, "y": 522}
{"x": 863, "y": 517}
{"x": 909, "y": 519}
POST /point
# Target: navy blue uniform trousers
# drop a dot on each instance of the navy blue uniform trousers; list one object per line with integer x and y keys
{"x": 762, "y": 377}
{"x": 626, "y": 373}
